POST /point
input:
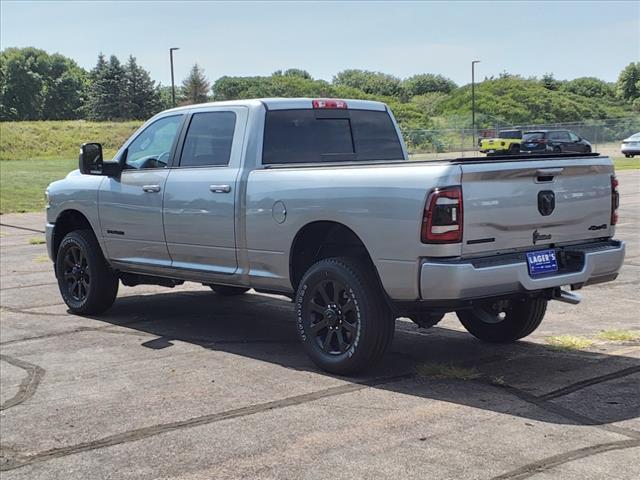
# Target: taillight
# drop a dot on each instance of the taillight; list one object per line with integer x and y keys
{"x": 615, "y": 200}
{"x": 329, "y": 103}
{"x": 442, "y": 220}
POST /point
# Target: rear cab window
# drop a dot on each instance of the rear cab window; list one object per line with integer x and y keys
{"x": 340, "y": 135}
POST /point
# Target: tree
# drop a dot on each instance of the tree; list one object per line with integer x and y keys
{"x": 195, "y": 87}
{"x": 374, "y": 83}
{"x": 35, "y": 85}
{"x": 549, "y": 82}
{"x": 296, "y": 72}
{"x": 428, "y": 83}
{"x": 141, "y": 97}
{"x": 107, "y": 97}
{"x": 628, "y": 85}
{"x": 589, "y": 87}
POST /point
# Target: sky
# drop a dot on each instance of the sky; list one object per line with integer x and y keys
{"x": 568, "y": 39}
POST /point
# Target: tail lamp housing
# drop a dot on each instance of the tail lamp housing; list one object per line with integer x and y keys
{"x": 615, "y": 200}
{"x": 443, "y": 216}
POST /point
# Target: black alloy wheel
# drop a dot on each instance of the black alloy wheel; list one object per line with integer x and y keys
{"x": 76, "y": 274}
{"x": 334, "y": 323}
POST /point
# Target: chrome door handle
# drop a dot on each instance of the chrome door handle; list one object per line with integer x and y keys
{"x": 151, "y": 188}
{"x": 220, "y": 188}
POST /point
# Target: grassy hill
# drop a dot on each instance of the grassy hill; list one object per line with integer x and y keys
{"x": 60, "y": 139}
{"x": 34, "y": 154}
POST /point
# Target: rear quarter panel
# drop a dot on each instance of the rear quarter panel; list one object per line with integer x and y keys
{"x": 383, "y": 205}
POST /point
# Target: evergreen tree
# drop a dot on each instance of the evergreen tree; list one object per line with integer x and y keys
{"x": 107, "y": 97}
{"x": 141, "y": 97}
{"x": 195, "y": 87}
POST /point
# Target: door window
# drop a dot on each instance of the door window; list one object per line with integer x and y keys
{"x": 574, "y": 137}
{"x": 209, "y": 139}
{"x": 152, "y": 148}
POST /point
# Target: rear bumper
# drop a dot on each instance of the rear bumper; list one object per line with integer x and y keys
{"x": 508, "y": 274}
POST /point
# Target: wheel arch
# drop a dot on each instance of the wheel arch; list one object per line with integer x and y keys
{"x": 324, "y": 239}
{"x": 67, "y": 221}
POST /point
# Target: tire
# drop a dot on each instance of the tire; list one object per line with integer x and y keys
{"x": 587, "y": 149}
{"x": 507, "y": 323}
{"x": 626, "y": 155}
{"x": 227, "y": 291}
{"x": 342, "y": 319}
{"x": 557, "y": 150}
{"x": 87, "y": 284}
{"x": 514, "y": 149}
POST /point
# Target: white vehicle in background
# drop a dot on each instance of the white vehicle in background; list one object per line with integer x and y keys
{"x": 631, "y": 146}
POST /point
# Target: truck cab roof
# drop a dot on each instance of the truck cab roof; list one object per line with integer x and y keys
{"x": 285, "y": 104}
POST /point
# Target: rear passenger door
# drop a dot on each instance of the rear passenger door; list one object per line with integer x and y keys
{"x": 200, "y": 192}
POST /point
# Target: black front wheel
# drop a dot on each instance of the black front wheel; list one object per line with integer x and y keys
{"x": 343, "y": 322}
{"x": 86, "y": 282}
{"x": 504, "y": 320}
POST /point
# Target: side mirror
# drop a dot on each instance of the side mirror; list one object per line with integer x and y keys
{"x": 92, "y": 163}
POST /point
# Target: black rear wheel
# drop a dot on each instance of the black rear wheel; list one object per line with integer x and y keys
{"x": 504, "y": 320}
{"x": 86, "y": 282}
{"x": 343, "y": 322}
{"x": 514, "y": 149}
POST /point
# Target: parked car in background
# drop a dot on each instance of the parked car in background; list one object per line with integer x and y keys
{"x": 631, "y": 146}
{"x": 554, "y": 141}
{"x": 508, "y": 141}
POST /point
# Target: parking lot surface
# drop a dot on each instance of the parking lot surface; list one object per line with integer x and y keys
{"x": 183, "y": 384}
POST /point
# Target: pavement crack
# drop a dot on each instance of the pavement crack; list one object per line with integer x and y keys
{"x": 146, "y": 432}
{"x": 569, "y": 414}
{"x": 548, "y": 463}
{"x": 29, "y": 384}
{"x": 22, "y": 228}
{"x": 29, "y": 286}
{"x": 589, "y": 382}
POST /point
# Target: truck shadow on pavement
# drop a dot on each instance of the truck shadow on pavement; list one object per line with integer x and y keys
{"x": 564, "y": 387}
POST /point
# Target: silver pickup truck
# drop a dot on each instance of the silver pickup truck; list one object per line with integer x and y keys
{"x": 317, "y": 200}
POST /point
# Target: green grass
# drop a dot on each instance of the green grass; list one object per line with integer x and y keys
{"x": 569, "y": 342}
{"x": 619, "y": 335}
{"x": 622, "y": 163}
{"x": 22, "y": 182}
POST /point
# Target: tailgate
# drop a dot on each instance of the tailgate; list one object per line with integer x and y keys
{"x": 517, "y": 204}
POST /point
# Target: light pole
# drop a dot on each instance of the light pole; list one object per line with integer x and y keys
{"x": 473, "y": 100}
{"x": 173, "y": 85}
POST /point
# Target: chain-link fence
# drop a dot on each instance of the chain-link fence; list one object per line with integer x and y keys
{"x": 605, "y": 137}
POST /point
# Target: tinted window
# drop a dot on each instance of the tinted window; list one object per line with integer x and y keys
{"x": 152, "y": 148}
{"x": 209, "y": 139}
{"x": 560, "y": 136}
{"x": 305, "y": 136}
{"x": 574, "y": 137}
{"x": 510, "y": 134}
{"x": 533, "y": 136}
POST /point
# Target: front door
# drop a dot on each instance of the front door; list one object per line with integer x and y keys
{"x": 200, "y": 193}
{"x": 130, "y": 207}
